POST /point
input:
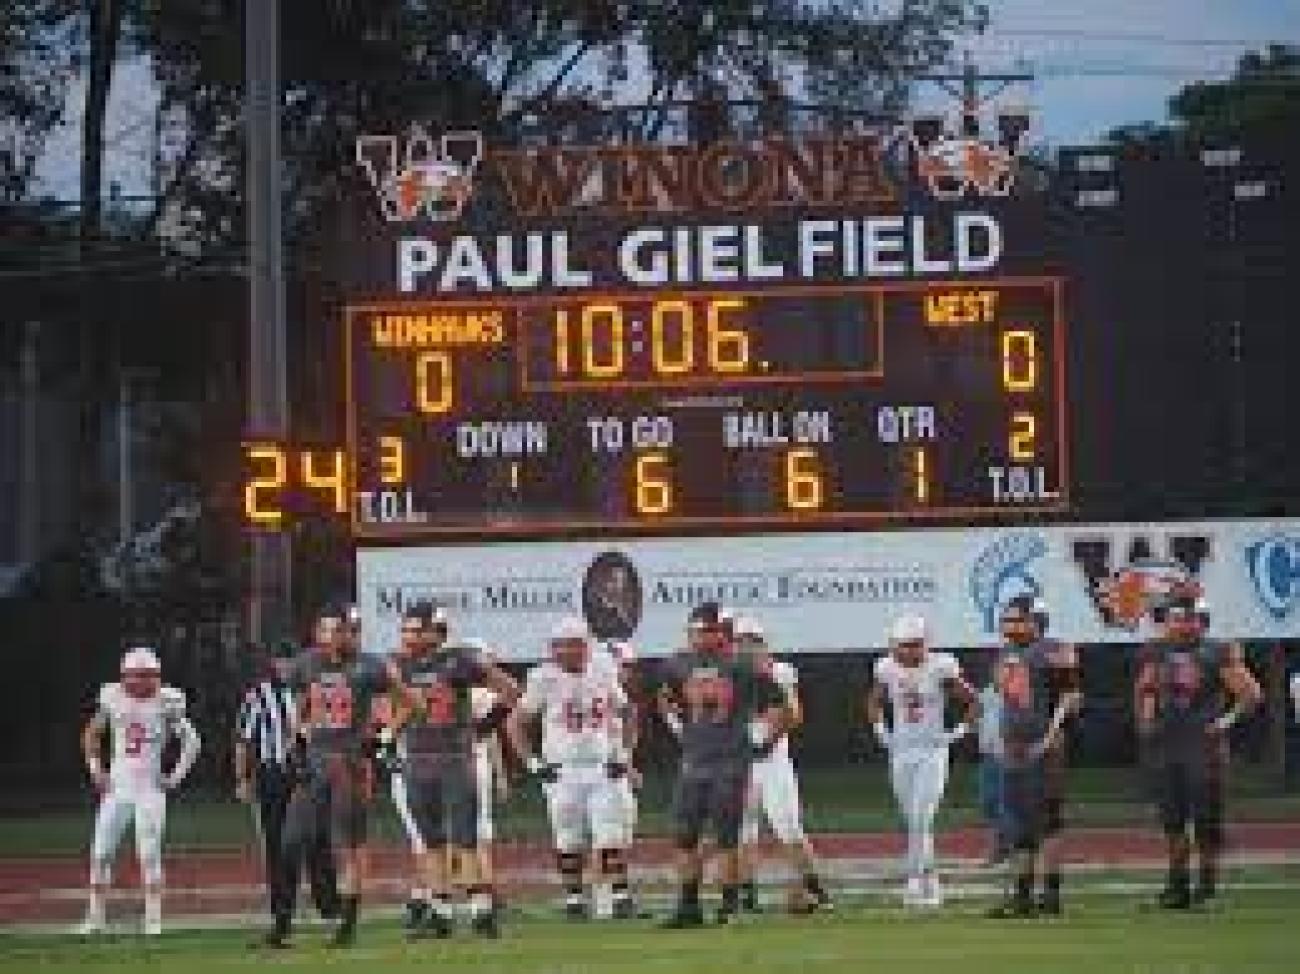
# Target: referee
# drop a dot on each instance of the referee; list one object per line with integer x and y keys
{"x": 264, "y": 779}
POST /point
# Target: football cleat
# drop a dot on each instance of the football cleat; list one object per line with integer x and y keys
{"x": 1174, "y": 898}
{"x": 685, "y": 918}
{"x": 1012, "y": 909}
{"x": 485, "y": 925}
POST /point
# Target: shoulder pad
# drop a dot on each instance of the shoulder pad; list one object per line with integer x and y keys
{"x": 109, "y": 695}
{"x": 951, "y": 665}
{"x": 173, "y": 700}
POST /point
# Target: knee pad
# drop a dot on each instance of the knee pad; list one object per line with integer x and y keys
{"x": 570, "y": 863}
{"x": 611, "y": 861}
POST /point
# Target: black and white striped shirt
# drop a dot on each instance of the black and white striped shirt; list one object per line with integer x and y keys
{"x": 265, "y": 722}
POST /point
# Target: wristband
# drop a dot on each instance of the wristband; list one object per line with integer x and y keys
{"x": 534, "y": 764}
{"x": 94, "y": 767}
{"x": 958, "y": 732}
{"x": 881, "y": 731}
{"x": 1226, "y": 721}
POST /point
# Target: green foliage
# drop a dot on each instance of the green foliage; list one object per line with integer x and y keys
{"x": 1261, "y": 101}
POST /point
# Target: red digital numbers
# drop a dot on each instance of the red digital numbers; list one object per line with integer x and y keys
{"x": 439, "y": 705}
{"x": 330, "y": 705}
{"x": 135, "y": 734}
{"x": 913, "y": 707}
{"x": 577, "y": 717}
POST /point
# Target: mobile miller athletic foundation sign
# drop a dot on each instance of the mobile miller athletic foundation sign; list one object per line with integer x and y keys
{"x": 453, "y": 215}
{"x": 839, "y": 591}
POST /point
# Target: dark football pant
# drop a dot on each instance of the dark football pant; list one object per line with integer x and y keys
{"x": 1025, "y": 807}
{"x": 333, "y": 802}
{"x": 284, "y": 859}
{"x": 713, "y": 798}
{"x": 1191, "y": 793}
{"x": 442, "y": 797}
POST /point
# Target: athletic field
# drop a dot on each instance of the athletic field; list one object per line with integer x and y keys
{"x": 215, "y": 901}
{"x": 1107, "y": 930}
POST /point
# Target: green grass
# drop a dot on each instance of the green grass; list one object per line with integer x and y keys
{"x": 840, "y": 800}
{"x": 1254, "y": 932}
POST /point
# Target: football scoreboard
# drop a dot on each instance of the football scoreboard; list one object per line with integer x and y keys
{"x": 761, "y": 369}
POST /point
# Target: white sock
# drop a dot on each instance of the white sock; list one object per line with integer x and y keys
{"x": 95, "y": 906}
{"x": 480, "y": 904}
{"x": 419, "y": 894}
{"x": 442, "y": 908}
{"x": 925, "y": 854}
{"x": 152, "y": 907}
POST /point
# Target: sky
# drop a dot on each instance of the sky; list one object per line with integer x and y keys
{"x": 1098, "y": 64}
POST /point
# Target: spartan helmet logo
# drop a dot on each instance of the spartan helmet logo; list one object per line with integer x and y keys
{"x": 424, "y": 178}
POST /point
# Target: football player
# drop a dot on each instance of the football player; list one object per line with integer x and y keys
{"x": 336, "y": 686}
{"x": 418, "y": 627}
{"x": 1190, "y": 692}
{"x": 586, "y": 745}
{"x": 1038, "y": 679}
{"x": 917, "y": 683}
{"x": 438, "y": 729}
{"x": 622, "y": 656}
{"x": 141, "y": 715}
{"x": 774, "y": 788}
{"x": 718, "y": 696}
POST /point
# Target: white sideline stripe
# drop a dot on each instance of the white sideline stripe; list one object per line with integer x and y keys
{"x": 875, "y": 868}
{"x": 856, "y": 895}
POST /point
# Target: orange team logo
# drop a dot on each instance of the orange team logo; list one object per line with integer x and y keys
{"x": 955, "y": 165}
{"x": 423, "y": 178}
{"x": 1130, "y": 593}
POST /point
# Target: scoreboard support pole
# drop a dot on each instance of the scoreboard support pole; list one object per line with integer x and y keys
{"x": 269, "y": 605}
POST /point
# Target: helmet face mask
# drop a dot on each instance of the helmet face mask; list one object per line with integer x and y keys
{"x": 1182, "y": 623}
{"x": 1018, "y": 626}
{"x": 331, "y": 634}
{"x": 909, "y": 652}
{"x": 571, "y": 654}
{"x": 141, "y": 674}
{"x": 570, "y": 645}
{"x": 710, "y": 629}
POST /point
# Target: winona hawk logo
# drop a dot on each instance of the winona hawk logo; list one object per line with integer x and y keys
{"x": 423, "y": 178}
{"x": 1123, "y": 594}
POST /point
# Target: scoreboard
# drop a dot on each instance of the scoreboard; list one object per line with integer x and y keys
{"x": 710, "y": 410}
{"x": 731, "y": 338}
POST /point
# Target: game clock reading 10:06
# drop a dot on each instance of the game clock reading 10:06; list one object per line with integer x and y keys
{"x": 709, "y": 410}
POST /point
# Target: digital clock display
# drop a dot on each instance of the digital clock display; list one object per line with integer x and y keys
{"x": 706, "y": 409}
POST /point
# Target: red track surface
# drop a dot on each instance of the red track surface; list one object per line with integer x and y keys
{"x": 47, "y": 889}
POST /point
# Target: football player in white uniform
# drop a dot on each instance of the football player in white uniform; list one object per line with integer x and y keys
{"x": 916, "y": 683}
{"x": 774, "y": 789}
{"x": 140, "y": 715}
{"x": 622, "y": 655}
{"x": 586, "y": 743}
